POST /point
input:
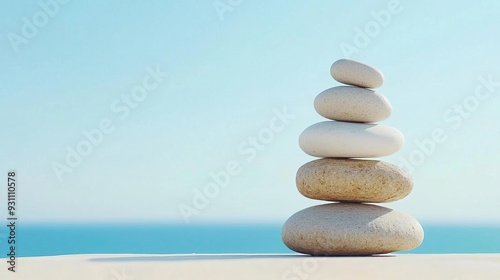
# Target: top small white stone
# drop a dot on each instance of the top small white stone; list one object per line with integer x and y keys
{"x": 355, "y": 73}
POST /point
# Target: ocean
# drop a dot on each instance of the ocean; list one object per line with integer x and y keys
{"x": 49, "y": 240}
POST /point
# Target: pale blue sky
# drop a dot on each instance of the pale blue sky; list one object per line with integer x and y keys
{"x": 226, "y": 76}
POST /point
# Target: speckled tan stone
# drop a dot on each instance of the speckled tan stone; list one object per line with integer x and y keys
{"x": 355, "y": 73}
{"x": 351, "y": 229}
{"x": 353, "y": 180}
{"x": 352, "y": 104}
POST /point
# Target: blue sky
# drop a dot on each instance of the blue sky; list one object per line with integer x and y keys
{"x": 231, "y": 72}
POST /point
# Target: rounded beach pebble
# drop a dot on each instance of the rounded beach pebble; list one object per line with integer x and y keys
{"x": 350, "y": 140}
{"x": 355, "y": 73}
{"x": 351, "y": 229}
{"x": 352, "y": 104}
{"x": 353, "y": 180}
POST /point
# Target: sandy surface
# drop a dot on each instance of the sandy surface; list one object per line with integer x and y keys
{"x": 137, "y": 267}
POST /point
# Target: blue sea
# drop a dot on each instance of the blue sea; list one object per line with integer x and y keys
{"x": 57, "y": 239}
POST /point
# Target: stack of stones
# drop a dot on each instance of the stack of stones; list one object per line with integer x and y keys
{"x": 351, "y": 226}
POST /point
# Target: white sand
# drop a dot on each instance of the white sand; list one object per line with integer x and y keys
{"x": 137, "y": 267}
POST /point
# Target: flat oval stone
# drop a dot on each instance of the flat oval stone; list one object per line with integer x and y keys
{"x": 355, "y": 73}
{"x": 350, "y": 140}
{"x": 351, "y": 229}
{"x": 353, "y": 180}
{"x": 352, "y": 104}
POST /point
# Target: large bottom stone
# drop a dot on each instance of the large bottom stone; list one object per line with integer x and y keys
{"x": 351, "y": 229}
